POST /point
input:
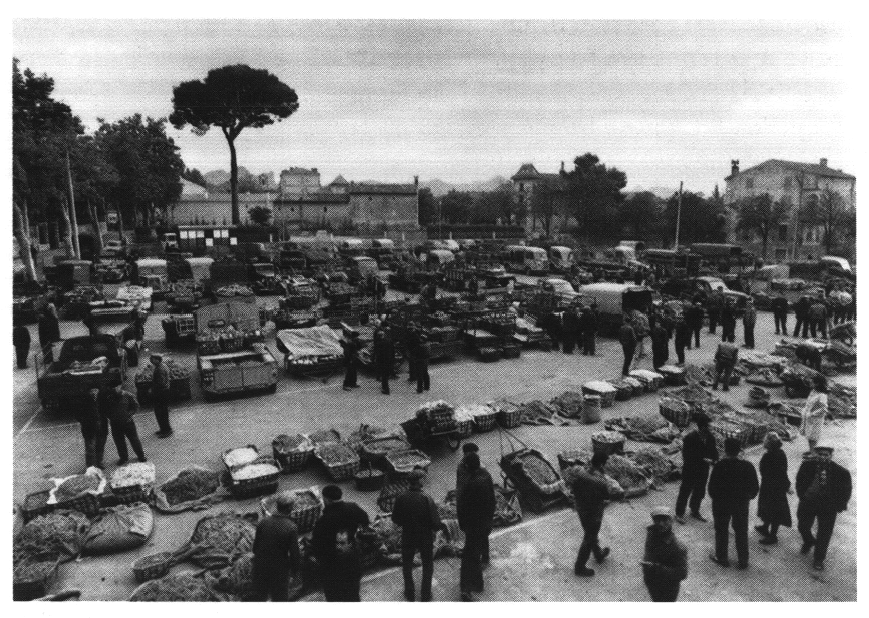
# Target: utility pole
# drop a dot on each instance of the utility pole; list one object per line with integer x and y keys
{"x": 678, "y": 216}
{"x": 72, "y": 217}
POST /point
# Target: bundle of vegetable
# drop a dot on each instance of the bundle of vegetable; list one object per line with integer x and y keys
{"x": 176, "y": 372}
{"x": 178, "y": 587}
{"x": 334, "y": 453}
{"x": 240, "y": 456}
{"x": 627, "y": 474}
{"x": 608, "y": 437}
{"x": 253, "y": 470}
{"x": 190, "y": 484}
{"x": 76, "y": 485}
{"x": 218, "y": 541}
{"x": 133, "y": 474}
{"x": 643, "y": 428}
{"x": 27, "y": 570}
{"x": 56, "y": 536}
{"x": 655, "y": 464}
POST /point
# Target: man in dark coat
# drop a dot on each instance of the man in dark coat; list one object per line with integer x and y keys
{"x": 94, "y": 428}
{"x": 384, "y": 357}
{"x": 462, "y": 474}
{"x": 714, "y": 306}
{"x": 779, "y": 308}
{"x": 570, "y": 329}
{"x": 422, "y": 354}
{"x": 749, "y": 319}
{"x": 682, "y": 338}
{"x": 21, "y": 342}
{"x": 728, "y": 322}
{"x": 588, "y": 330}
{"x": 732, "y": 486}
{"x": 591, "y": 492}
{"x": 665, "y": 561}
{"x": 824, "y": 489}
{"x": 342, "y": 581}
{"x": 276, "y": 554}
{"x": 726, "y": 358}
{"x": 660, "y": 346}
{"x": 418, "y": 516}
{"x": 475, "y": 512}
{"x": 411, "y": 340}
{"x": 338, "y": 516}
{"x": 119, "y": 406}
{"x": 772, "y": 501}
{"x": 49, "y": 332}
{"x": 694, "y": 317}
{"x": 160, "y": 386}
{"x": 818, "y": 318}
{"x": 551, "y": 323}
{"x": 809, "y": 355}
{"x": 628, "y": 339}
{"x": 801, "y": 314}
{"x": 351, "y": 348}
{"x": 699, "y": 453}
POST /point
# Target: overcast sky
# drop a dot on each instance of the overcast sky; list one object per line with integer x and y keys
{"x": 466, "y": 100}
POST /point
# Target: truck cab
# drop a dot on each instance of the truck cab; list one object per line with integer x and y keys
{"x": 360, "y": 268}
{"x": 559, "y": 287}
{"x": 560, "y": 258}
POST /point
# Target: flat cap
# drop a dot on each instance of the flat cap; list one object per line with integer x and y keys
{"x": 661, "y": 511}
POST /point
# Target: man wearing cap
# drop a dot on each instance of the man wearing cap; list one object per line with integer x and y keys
{"x": 118, "y": 406}
{"x": 94, "y": 428}
{"x": 665, "y": 561}
{"x": 726, "y": 357}
{"x": 824, "y": 489}
{"x": 351, "y": 359}
{"x": 384, "y": 357}
{"x": 588, "y": 329}
{"x": 160, "y": 396}
{"x": 733, "y": 485}
{"x": 699, "y": 452}
{"x": 276, "y": 553}
{"x": 422, "y": 354}
{"x": 749, "y": 319}
{"x": 418, "y": 516}
{"x": 338, "y": 516}
{"x": 475, "y": 511}
{"x": 779, "y": 307}
{"x": 461, "y": 475}
{"x": 591, "y": 492}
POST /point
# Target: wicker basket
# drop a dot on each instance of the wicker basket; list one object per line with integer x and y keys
{"x": 676, "y": 411}
{"x": 343, "y": 471}
{"x": 485, "y": 422}
{"x": 404, "y": 462}
{"x": 305, "y": 517}
{"x": 599, "y": 445}
{"x": 724, "y": 429}
{"x": 566, "y": 459}
{"x": 369, "y": 480}
{"x": 624, "y": 391}
{"x": 258, "y": 486}
{"x": 35, "y": 504}
{"x": 293, "y": 459}
{"x": 229, "y": 450}
{"x": 607, "y": 396}
{"x": 673, "y": 376}
{"x": 637, "y": 387}
{"x": 132, "y": 493}
{"x": 375, "y": 450}
{"x": 34, "y": 589}
{"x": 510, "y": 419}
{"x": 465, "y": 428}
{"x": 651, "y": 381}
{"x": 154, "y": 566}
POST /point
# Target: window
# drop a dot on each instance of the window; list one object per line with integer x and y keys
{"x": 787, "y": 183}
{"x": 782, "y": 233}
{"x": 749, "y": 183}
{"x": 521, "y": 186}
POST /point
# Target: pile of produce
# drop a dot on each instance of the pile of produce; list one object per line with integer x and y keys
{"x": 75, "y": 486}
{"x": 693, "y": 392}
{"x": 262, "y": 466}
{"x": 382, "y": 446}
{"x": 237, "y": 579}
{"x": 655, "y": 464}
{"x": 233, "y": 290}
{"x": 176, "y": 372}
{"x": 178, "y": 587}
{"x": 627, "y": 474}
{"x": 538, "y": 470}
{"x": 287, "y": 444}
{"x": 652, "y": 428}
{"x": 190, "y": 484}
{"x": 134, "y": 474}
{"x": 764, "y": 377}
{"x": 324, "y": 437}
{"x": 335, "y": 453}
{"x": 218, "y": 541}
{"x": 842, "y": 401}
{"x": 435, "y": 409}
{"x": 55, "y": 536}
{"x": 30, "y": 570}
{"x": 240, "y": 456}
{"x": 568, "y": 404}
{"x": 539, "y": 413}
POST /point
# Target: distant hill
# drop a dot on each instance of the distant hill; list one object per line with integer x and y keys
{"x": 440, "y": 187}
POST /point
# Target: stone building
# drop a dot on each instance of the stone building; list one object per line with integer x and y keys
{"x": 525, "y": 181}
{"x": 299, "y": 180}
{"x": 798, "y": 184}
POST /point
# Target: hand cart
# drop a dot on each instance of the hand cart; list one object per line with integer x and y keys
{"x": 420, "y": 431}
{"x": 528, "y": 471}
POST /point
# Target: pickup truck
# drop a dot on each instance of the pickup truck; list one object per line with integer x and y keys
{"x": 83, "y": 363}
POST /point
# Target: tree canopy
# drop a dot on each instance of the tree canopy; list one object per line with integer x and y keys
{"x": 593, "y": 193}
{"x": 702, "y": 220}
{"x": 831, "y": 213}
{"x": 761, "y": 215}
{"x": 233, "y": 98}
{"x": 260, "y": 215}
{"x": 640, "y": 215}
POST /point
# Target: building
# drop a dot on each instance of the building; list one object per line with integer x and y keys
{"x": 798, "y": 184}
{"x": 525, "y": 181}
{"x": 299, "y": 180}
{"x": 198, "y": 206}
{"x": 382, "y": 207}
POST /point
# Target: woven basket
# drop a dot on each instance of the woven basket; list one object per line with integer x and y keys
{"x": 33, "y": 589}
{"x": 673, "y": 376}
{"x": 465, "y": 428}
{"x": 374, "y": 450}
{"x": 258, "y": 486}
{"x": 724, "y": 429}
{"x": 293, "y": 459}
{"x": 343, "y": 471}
{"x": 676, "y": 411}
{"x": 35, "y": 505}
{"x": 607, "y": 447}
{"x": 510, "y": 419}
{"x": 566, "y": 459}
{"x": 607, "y": 398}
{"x": 404, "y": 462}
{"x": 624, "y": 391}
{"x": 638, "y": 387}
{"x": 485, "y": 422}
{"x": 132, "y": 493}
{"x": 154, "y": 566}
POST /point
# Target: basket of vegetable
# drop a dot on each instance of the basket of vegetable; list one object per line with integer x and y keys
{"x": 31, "y": 578}
{"x": 608, "y": 442}
{"x": 624, "y": 391}
{"x": 36, "y": 504}
{"x": 341, "y": 461}
{"x": 133, "y": 482}
{"x": 605, "y": 390}
{"x": 464, "y": 422}
{"x": 179, "y": 381}
{"x": 637, "y": 387}
{"x": 254, "y": 478}
{"x": 153, "y": 566}
{"x": 324, "y": 436}
{"x": 404, "y": 462}
{"x": 80, "y": 492}
{"x": 292, "y": 452}
{"x": 538, "y": 482}
{"x": 375, "y": 450}
{"x": 190, "y": 488}
{"x": 676, "y": 411}
{"x": 369, "y": 479}
{"x": 724, "y": 428}
{"x": 307, "y": 507}
{"x": 485, "y": 417}
{"x": 509, "y": 415}
{"x": 235, "y": 457}
{"x": 568, "y": 459}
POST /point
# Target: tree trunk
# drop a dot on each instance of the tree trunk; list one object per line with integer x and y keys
{"x": 98, "y": 235}
{"x": 233, "y": 181}
{"x": 121, "y": 226}
{"x": 22, "y": 235}
{"x": 66, "y": 229}
{"x": 73, "y": 217}
{"x": 764, "y": 239}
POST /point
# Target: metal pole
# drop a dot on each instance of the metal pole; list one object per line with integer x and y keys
{"x": 678, "y": 215}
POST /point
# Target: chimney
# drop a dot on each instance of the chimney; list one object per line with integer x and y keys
{"x": 314, "y": 170}
{"x": 734, "y": 167}
{"x": 823, "y": 162}
{"x": 562, "y": 167}
{"x": 416, "y": 181}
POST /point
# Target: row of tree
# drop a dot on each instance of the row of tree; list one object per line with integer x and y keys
{"x": 63, "y": 176}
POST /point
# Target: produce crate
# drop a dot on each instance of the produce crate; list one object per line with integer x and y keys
{"x": 676, "y": 411}
{"x": 465, "y": 428}
{"x": 375, "y": 450}
{"x": 36, "y": 588}
{"x": 294, "y": 458}
{"x": 510, "y": 419}
{"x": 608, "y": 442}
{"x": 179, "y": 390}
{"x": 607, "y": 395}
{"x": 727, "y": 429}
{"x": 258, "y": 486}
{"x": 35, "y": 504}
{"x": 404, "y": 462}
{"x": 345, "y": 468}
{"x": 154, "y": 566}
{"x": 624, "y": 391}
{"x": 650, "y": 379}
{"x": 485, "y": 422}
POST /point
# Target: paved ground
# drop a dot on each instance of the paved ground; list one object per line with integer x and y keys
{"x": 532, "y": 561}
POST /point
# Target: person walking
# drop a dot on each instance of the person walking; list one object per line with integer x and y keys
{"x": 588, "y": 330}
{"x": 749, "y": 319}
{"x": 694, "y": 316}
{"x": 725, "y": 360}
{"x": 824, "y": 490}
{"x": 591, "y": 492}
{"x": 94, "y": 428}
{"x": 21, "y": 342}
{"x": 815, "y": 413}
{"x": 411, "y": 341}
{"x": 384, "y": 357}
{"x": 461, "y": 475}
{"x": 780, "y": 314}
{"x": 733, "y": 485}
{"x": 801, "y": 314}
{"x": 342, "y": 581}
{"x": 422, "y": 354}
{"x": 728, "y": 322}
{"x": 628, "y": 339}
{"x": 682, "y": 338}
{"x": 417, "y": 515}
{"x": 276, "y": 555}
{"x": 714, "y": 305}
{"x": 699, "y": 454}
{"x": 351, "y": 348}
{"x": 49, "y": 332}
{"x": 160, "y": 388}
{"x": 665, "y": 559}
{"x": 772, "y": 501}
{"x": 660, "y": 346}
{"x": 475, "y": 511}
{"x": 570, "y": 329}
{"x": 818, "y": 318}
{"x": 119, "y": 406}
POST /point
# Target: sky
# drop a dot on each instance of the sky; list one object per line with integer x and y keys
{"x": 463, "y": 101}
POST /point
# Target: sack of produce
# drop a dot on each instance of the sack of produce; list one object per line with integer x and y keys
{"x": 568, "y": 404}
{"x": 31, "y": 578}
{"x": 218, "y": 541}
{"x": 80, "y": 492}
{"x": 608, "y": 442}
{"x": 627, "y": 474}
{"x": 56, "y": 536}
{"x": 656, "y": 465}
{"x": 178, "y": 587}
{"x": 119, "y": 529}
{"x": 237, "y": 579}
{"x": 192, "y": 488}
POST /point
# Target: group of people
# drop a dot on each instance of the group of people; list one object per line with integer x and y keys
{"x": 49, "y": 333}
{"x": 575, "y": 326}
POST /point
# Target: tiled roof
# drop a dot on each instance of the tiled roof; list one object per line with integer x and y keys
{"x": 808, "y": 168}
{"x": 526, "y": 172}
{"x": 381, "y": 188}
{"x": 318, "y": 197}
{"x": 299, "y": 170}
{"x": 339, "y": 180}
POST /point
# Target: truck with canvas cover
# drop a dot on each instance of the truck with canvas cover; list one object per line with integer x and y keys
{"x": 614, "y": 299}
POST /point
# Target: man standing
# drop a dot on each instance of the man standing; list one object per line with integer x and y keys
{"x": 417, "y": 514}
{"x": 682, "y": 339}
{"x": 411, "y": 341}
{"x": 591, "y": 491}
{"x": 160, "y": 396}
{"x": 462, "y": 474}
{"x": 351, "y": 359}
{"x": 588, "y": 329}
{"x": 749, "y": 319}
{"x": 384, "y": 357}
{"x": 660, "y": 345}
{"x": 342, "y": 581}
{"x": 338, "y": 517}
{"x": 665, "y": 561}
{"x": 728, "y": 322}
{"x": 780, "y": 314}
{"x": 276, "y": 553}
{"x": 694, "y": 317}
{"x": 628, "y": 339}
{"x": 699, "y": 452}
{"x": 422, "y": 353}
{"x": 725, "y": 360}
{"x": 570, "y": 329}
{"x": 733, "y": 485}
{"x": 21, "y": 341}
{"x": 119, "y": 407}
{"x": 824, "y": 489}
{"x": 475, "y": 512}
{"x": 94, "y": 428}
{"x": 49, "y": 331}
{"x": 801, "y": 313}
{"x": 818, "y": 317}
{"x": 714, "y": 305}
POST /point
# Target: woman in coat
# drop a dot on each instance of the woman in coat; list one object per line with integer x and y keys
{"x": 815, "y": 413}
{"x": 772, "y": 501}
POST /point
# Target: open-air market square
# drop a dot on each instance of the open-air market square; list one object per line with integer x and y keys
{"x": 264, "y": 351}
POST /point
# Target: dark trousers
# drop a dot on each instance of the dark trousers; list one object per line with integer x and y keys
{"x": 693, "y": 489}
{"x": 629, "y": 356}
{"x": 471, "y": 576}
{"x": 590, "y": 542}
{"x": 697, "y": 328}
{"x": 411, "y": 369}
{"x": 95, "y": 436}
{"x": 384, "y": 372}
{"x": 801, "y": 325}
{"x": 680, "y": 351}
{"x": 806, "y": 515}
{"x": 161, "y": 411}
{"x": 123, "y": 431}
{"x": 422, "y": 378}
{"x": 725, "y": 517}
{"x": 749, "y": 335}
{"x": 271, "y": 584}
{"x": 588, "y": 343}
{"x": 728, "y": 332}
{"x": 350, "y": 374}
{"x": 424, "y": 545}
{"x": 569, "y": 342}
{"x": 713, "y": 320}
{"x": 722, "y": 374}
{"x": 781, "y": 323}
{"x": 48, "y": 353}
{"x": 663, "y": 593}
{"x": 346, "y": 591}
{"x": 21, "y": 353}
{"x": 818, "y": 326}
